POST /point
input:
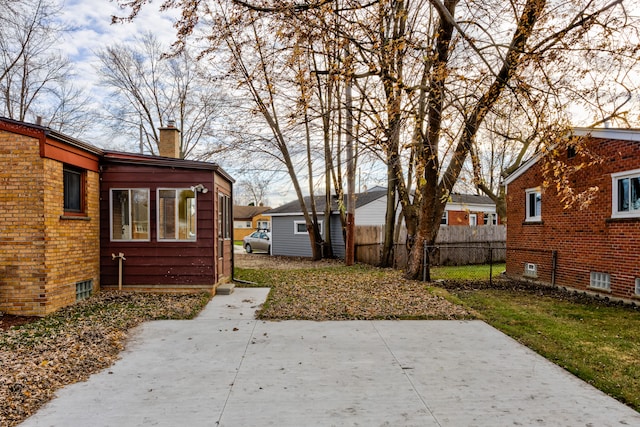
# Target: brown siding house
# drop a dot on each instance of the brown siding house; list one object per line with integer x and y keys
{"x": 595, "y": 249}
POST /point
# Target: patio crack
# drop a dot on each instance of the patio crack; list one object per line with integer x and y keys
{"x": 235, "y": 377}
{"x": 405, "y": 371}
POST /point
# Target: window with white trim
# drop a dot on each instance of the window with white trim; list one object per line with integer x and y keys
{"x": 533, "y": 204}
{"x": 264, "y": 225}
{"x": 637, "y": 287}
{"x": 626, "y": 194}
{"x": 300, "y": 227}
{"x": 129, "y": 212}
{"x": 176, "y": 214}
{"x": 241, "y": 224}
{"x": 490, "y": 219}
{"x": 600, "y": 280}
{"x": 444, "y": 220}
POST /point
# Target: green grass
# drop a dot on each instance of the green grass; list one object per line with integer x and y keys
{"x": 466, "y": 272}
{"x": 596, "y": 342}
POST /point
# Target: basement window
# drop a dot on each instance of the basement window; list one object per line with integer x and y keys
{"x": 638, "y": 287}
{"x": 530, "y": 269}
{"x": 84, "y": 289}
{"x": 600, "y": 281}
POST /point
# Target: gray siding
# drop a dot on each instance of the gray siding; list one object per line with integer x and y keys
{"x": 285, "y": 242}
{"x": 336, "y": 237}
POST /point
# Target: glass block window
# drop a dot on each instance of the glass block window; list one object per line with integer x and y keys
{"x": 638, "y": 287}
{"x": 84, "y": 289}
{"x": 600, "y": 280}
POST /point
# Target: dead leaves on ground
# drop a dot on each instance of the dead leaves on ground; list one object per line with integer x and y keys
{"x": 343, "y": 293}
{"x": 38, "y": 358}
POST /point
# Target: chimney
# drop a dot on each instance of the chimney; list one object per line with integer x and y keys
{"x": 169, "y": 144}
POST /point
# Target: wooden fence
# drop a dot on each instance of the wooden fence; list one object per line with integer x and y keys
{"x": 455, "y": 245}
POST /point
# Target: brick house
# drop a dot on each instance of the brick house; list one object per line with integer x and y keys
{"x": 470, "y": 209}
{"x": 595, "y": 249}
{"x": 67, "y": 207}
{"x": 49, "y": 219}
{"x": 247, "y": 219}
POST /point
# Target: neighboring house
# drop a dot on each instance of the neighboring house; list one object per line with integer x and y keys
{"x": 289, "y": 235}
{"x": 247, "y": 219}
{"x": 290, "y": 238}
{"x": 595, "y": 249}
{"x": 67, "y": 208}
{"x": 470, "y": 209}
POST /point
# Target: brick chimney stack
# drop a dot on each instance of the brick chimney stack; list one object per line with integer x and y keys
{"x": 169, "y": 144}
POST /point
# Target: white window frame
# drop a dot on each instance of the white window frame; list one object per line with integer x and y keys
{"x": 296, "y": 223}
{"x": 474, "y": 222}
{"x": 177, "y": 216}
{"x": 262, "y": 222}
{"x": 615, "y": 177}
{"x": 637, "y": 287}
{"x": 600, "y": 281}
{"x": 490, "y": 218}
{"x": 131, "y": 221}
{"x": 445, "y": 217}
{"x": 528, "y": 192}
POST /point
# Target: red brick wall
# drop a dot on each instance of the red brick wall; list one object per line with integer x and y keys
{"x": 41, "y": 255}
{"x": 586, "y": 240}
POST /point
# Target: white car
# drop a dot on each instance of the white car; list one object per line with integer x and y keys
{"x": 257, "y": 241}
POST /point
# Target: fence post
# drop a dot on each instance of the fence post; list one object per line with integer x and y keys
{"x": 490, "y": 266}
{"x": 426, "y": 271}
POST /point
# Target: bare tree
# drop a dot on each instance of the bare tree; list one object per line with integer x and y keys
{"x": 149, "y": 88}
{"x": 445, "y": 73}
{"x": 34, "y": 74}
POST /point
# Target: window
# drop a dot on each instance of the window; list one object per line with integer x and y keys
{"x": 490, "y": 219}
{"x": 224, "y": 216}
{"x": 600, "y": 280}
{"x": 638, "y": 287}
{"x": 530, "y": 269}
{"x": 300, "y": 227}
{"x": 176, "y": 214}
{"x": 533, "y": 205}
{"x": 473, "y": 219}
{"x": 130, "y": 214}
{"x": 73, "y": 181}
{"x": 445, "y": 218}
{"x": 241, "y": 224}
{"x": 84, "y": 289}
{"x": 264, "y": 225}
{"x": 626, "y": 194}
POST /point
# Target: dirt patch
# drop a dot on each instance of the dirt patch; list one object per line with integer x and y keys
{"x": 9, "y": 320}
{"x": 262, "y": 261}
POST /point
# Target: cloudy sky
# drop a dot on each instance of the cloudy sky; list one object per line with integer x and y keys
{"x": 93, "y": 30}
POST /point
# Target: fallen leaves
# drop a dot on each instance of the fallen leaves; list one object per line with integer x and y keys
{"x": 40, "y": 357}
{"x": 349, "y": 293}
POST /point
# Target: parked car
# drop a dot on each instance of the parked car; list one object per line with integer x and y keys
{"x": 257, "y": 241}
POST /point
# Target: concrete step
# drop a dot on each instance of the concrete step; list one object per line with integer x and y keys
{"x": 225, "y": 289}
